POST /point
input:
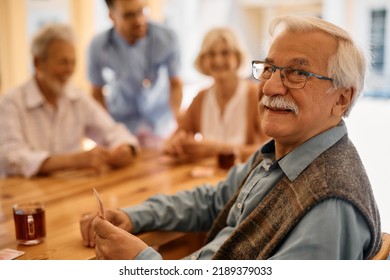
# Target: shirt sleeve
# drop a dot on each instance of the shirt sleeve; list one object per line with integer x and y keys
{"x": 102, "y": 128}
{"x": 173, "y": 62}
{"x": 93, "y": 63}
{"x": 148, "y": 254}
{"x": 333, "y": 230}
{"x": 16, "y": 156}
{"x": 192, "y": 210}
{"x": 190, "y": 122}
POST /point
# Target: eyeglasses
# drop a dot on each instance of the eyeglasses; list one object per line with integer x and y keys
{"x": 294, "y": 78}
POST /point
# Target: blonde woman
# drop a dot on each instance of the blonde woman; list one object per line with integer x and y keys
{"x": 224, "y": 116}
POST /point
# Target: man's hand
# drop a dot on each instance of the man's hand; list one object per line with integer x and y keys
{"x": 114, "y": 216}
{"x": 114, "y": 243}
{"x": 121, "y": 156}
{"x": 97, "y": 158}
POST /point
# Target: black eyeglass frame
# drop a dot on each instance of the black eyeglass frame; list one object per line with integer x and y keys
{"x": 282, "y": 75}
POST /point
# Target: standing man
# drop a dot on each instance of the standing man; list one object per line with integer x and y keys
{"x": 138, "y": 61}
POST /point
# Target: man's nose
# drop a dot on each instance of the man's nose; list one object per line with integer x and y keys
{"x": 274, "y": 85}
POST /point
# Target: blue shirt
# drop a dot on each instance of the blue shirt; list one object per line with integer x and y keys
{"x": 333, "y": 229}
{"x": 124, "y": 68}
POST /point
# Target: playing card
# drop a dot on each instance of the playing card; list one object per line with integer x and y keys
{"x": 202, "y": 171}
{"x": 100, "y": 204}
{"x": 10, "y": 254}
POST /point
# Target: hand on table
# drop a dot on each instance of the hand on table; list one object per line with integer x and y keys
{"x": 174, "y": 145}
{"x": 199, "y": 149}
{"x": 183, "y": 143}
{"x": 100, "y": 159}
{"x": 97, "y": 158}
{"x": 120, "y": 156}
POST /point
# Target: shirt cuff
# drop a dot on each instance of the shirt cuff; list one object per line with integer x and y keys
{"x": 148, "y": 254}
{"x": 138, "y": 217}
{"x": 27, "y": 164}
{"x": 33, "y": 168}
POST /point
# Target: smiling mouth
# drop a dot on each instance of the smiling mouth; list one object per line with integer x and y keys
{"x": 280, "y": 109}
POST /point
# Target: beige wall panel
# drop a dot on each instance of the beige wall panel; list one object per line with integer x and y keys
{"x": 82, "y": 17}
{"x": 14, "y": 51}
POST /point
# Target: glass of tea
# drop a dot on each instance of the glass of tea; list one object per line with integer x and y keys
{"x": 30, "y": 225}
{"x": 226, "y": 158}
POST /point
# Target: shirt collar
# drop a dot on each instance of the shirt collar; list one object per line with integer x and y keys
{"x": 298, "y": 159}
{"x": 34, "y": 98}
{"x": 118, "y": 39}
{"x": 268, "y": 151}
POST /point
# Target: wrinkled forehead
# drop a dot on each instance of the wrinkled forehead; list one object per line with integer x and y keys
{"x": 308, "y": 48}
{"x": 60, "y": 49}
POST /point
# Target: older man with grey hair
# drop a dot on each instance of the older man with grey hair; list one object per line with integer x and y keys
{"x": 44, "y": 121}
{"x": 303, "y": 195}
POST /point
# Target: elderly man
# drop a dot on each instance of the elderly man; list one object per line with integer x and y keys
{"x": 303, "y": 195}
{"x": 44, "y": 121}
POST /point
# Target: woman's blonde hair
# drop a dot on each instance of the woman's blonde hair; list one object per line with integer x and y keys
{"x": 211, "y": 38}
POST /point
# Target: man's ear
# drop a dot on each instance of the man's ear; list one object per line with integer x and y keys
{"x": 343, "y": 101}
{"x": 111, "y": 15}
{"x": 36, "y": 62}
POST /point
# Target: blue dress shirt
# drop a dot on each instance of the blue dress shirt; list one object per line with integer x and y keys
{"x": 333, "y": 229}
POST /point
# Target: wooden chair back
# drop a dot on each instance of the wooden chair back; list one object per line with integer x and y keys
{"x": 384, "y": 252}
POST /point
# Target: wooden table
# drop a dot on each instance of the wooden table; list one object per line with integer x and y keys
{"x": 68, "y": 195}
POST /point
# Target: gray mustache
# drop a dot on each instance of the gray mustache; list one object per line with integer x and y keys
{"x": 278, "y": 102}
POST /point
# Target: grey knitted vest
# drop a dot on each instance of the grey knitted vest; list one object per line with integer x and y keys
{"x": 336, "y": 173}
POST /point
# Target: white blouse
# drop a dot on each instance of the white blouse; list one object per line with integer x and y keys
{"x": 231, "y": 127}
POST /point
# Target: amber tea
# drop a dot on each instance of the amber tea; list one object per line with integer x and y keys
{"x": 29, "y": 223}
{"x": 226, "y": 159}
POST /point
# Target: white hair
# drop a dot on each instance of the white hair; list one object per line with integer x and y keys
{"x": 48, "y": 34}
{"x": 347, "y": 67}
